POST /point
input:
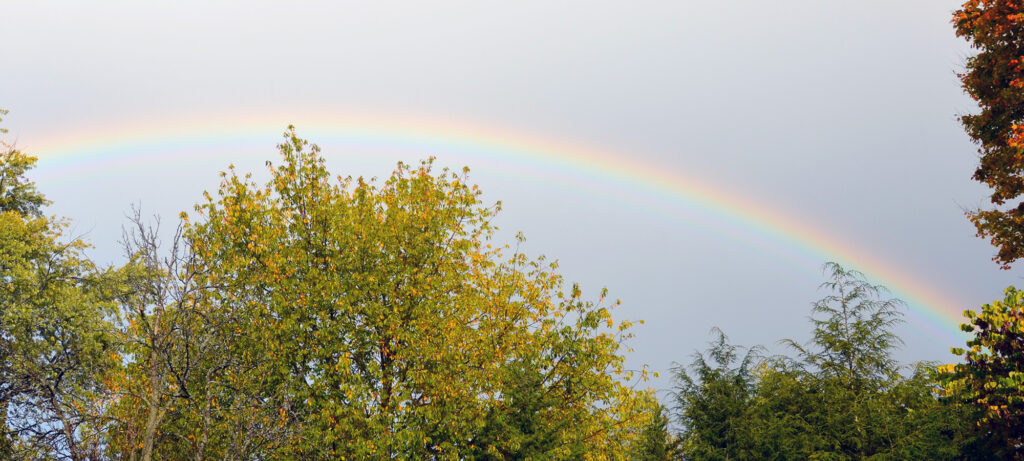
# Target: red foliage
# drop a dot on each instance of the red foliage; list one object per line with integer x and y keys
{"x": 995, "y": 78}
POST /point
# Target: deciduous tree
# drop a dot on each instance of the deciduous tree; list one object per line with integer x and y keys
{"x": 991, "y": 377}
{"x": 56, "y": 341}
{"x": 378, "y": 320}
{"x": 165, "y": 337}
{"x": 994, "y": 78}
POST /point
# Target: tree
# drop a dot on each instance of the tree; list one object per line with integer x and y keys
{"x": 991, "y": 378}
{"x": 349, "y": 308}
{"x": 56, "y": 341}
{"x": 164, "y": 334}
{"x": 17, "y": 193}
{"x": 853, "y": 338}
{"x": 712, "y": 405}
{"x": 994, "y": 78}
{"x": 656, "y": 442}
{"x": 861, "y": 406}
{"x": 839, "y": 382}
{"x": 784, "y": 413}
{"x": 841, "y": 397}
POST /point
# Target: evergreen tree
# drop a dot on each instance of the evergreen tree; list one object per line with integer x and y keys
{"x": 841, "y": 397}
{"x": 712, "y": 404}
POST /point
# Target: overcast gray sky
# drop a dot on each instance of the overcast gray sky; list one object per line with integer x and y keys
{"x": 842, "y": 114}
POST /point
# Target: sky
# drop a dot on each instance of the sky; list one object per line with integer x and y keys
{"x": 701, "y": 160}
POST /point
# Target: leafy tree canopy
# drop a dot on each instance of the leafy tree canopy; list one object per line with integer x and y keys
{"x": 841, "y": 397}
{"x": 17, "y": 193}
{"x": 366, "y": 319}
{"x": 991, "y": 377}
{"x": 55, "y": 335}
{"x": 994, "y": 78}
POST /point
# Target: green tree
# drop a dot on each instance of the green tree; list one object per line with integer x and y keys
{"x": 850, "y": 359}
{"x": 377, "y": 320}
{"x": 852, "y": 336}
{"x": 840, "y": 398}
{"x": 712, "y": 404}
{"x": 56, "y": 338}
{"x": 519, "y": 425}
{"x": 784, "y": 412}
{"x": 17, "y": 193}
{"x": 991, "y": 377}
{"x": 994, "y": 78}
{"x": 657, "y": 443}
{"x": 861, "y": 405}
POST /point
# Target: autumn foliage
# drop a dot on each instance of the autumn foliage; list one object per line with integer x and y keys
{"x": 318, "y": 317}
{"x": 994, "y": 78}
{"x": 378, "y": 320}
{"x": 310, "y": 317}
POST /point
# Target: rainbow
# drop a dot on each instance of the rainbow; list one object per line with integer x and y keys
{"x": 668, "y": 191}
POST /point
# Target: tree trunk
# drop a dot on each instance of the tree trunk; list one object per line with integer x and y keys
{"x": 150, "y": 435}
{"x": 154, "y": 415}
{"x": 69, "y": 430}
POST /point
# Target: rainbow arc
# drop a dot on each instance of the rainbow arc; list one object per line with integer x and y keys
{"x": 687, "y": 197}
